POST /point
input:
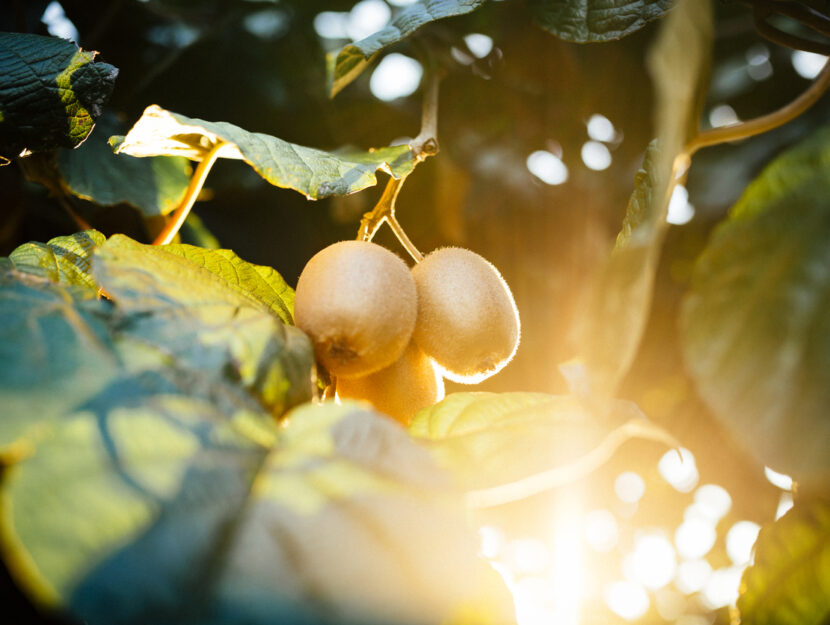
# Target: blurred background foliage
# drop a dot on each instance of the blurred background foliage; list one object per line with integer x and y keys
{"x": 261, "y": 65}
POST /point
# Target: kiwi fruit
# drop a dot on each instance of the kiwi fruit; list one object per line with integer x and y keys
{"x": 400, "y": 390}
{"x": 357, "y": 302}
{"x": 467, "y": 319}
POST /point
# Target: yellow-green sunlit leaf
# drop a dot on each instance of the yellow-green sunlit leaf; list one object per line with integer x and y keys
{"x": 755, "y": 328}
{"x": 154, "y": 185}
{"x": 508, "y": 446}
{"x": 347, "y": 64}
{"x": 789, "y": 582}
{"x": 173, "y": 509}
{"x": 618, "y": 309}
{"x": 64, "y": 260}
{"x": 315, "y": 173}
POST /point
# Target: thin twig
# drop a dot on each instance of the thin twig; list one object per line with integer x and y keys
{"x": 422, "y": 147}
{"x": 196, "y": 182}
{"x": 776, "y": 35}
{"x": 408, "y": 245}
{"x": 766, "y": 122}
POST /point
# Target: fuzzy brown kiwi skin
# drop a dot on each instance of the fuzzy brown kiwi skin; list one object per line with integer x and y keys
{"x": 400, "y": 390}
{"x": 357, "y": 302}
{"x": 467, "y": 319}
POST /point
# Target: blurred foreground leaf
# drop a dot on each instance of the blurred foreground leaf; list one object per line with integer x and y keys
{"x": 755, "y": 327}
{"x": 168, "y": 509}
{"x": 155, "y": 185}
{"x": 211, "y": 311}
{"x": 789, "y": 581}
{"x": 51, "y": 93}
{"x": 613, "y": 324}
{"x": 513, "y": 445}
{"x": 584, "y": 21}
{"x": 347, "y": 64}
{"x": 315, "y": 173}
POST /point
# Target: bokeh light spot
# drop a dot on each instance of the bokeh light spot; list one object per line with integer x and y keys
{"x": 723, "y": 115}
{"x": 596, "y": 156}
{"x": 601, "y": 530}
{"x": 740, "y": 540}
{"x": 694, "y": 538}
{"x": 713, "y": 501}
{"x": 600, "y": 128}
{"x": 692, "y": 576}
{"x": 627, "y": 600}
{"x": 547, "y": 167}
{"x": 57, "y": 24}
{"x": 678, "y": 468}
{"x": 366, "y": 18}
{"x": 652, "y": 563}
{"x": 629, "y": 487}
{"x": 396, "y": 76}
{"x": 782, "y": 481}
{"x": 480, "y": 45}
{"x": 721, "y": 589}
{"x": 680, "y": 210}
{"x": 807, "y": 64}
{"x": 332, "y": 25}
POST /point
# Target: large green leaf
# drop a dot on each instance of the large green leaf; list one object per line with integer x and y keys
{"x": 755, "y": 324}
{"x": 789, "y": 582}
{"x": 155, "y": 185}
{"x": 620, "y": 301}
{"x": 584, "y": 21}
{"x": 347, "y": 64}
{"x": 315, "y": 173}
{"x": 51, "y": 93}
{"x": 54, "y": 351}
{"x": 64, "y": 260}
{"x": 508, "y": 446}
{"x": 166, "y": 509}
{"x": 201, "y": 314}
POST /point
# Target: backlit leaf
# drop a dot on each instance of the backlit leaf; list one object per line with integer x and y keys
{"x": 315, "y": 173}
{"x": 155, "y": 185}
{"x": 789, "y": 581}
{"x": 584, "y": 21}
{"x": 620, "y": 299}
{"x": 513, "y": 445}
{"x": 347, "y": 64}
{"x": 755, "y": 327}
{"x": 51, "y": 93}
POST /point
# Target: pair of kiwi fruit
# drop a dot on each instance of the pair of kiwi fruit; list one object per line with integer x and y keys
{"x": 389, "y": 334}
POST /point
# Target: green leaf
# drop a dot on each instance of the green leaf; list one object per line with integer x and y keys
{"x": 166, "y": 509}
{"x": 586, "y": 21}
{"x": 263, "y": 283}
{"x": 789, "y": 582}
{"x": 51, "y": 93}
{"x": 620, "y": 298}
{"x": 755, "y": 327}
{"x": 347, "y": 64}
{"x": 54, "y": 352}
{"x": 509, "y": 446}
{"x": 315, "y": 173}
{"x": 205, "y": 316}
{"x": 155, "y": 185}
{"x": 64, "y": 260}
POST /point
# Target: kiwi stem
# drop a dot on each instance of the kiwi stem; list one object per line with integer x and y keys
{"x": 766, "y": 122}
{"x": 422, "y": 147}
{"x": 196, "y": 183}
